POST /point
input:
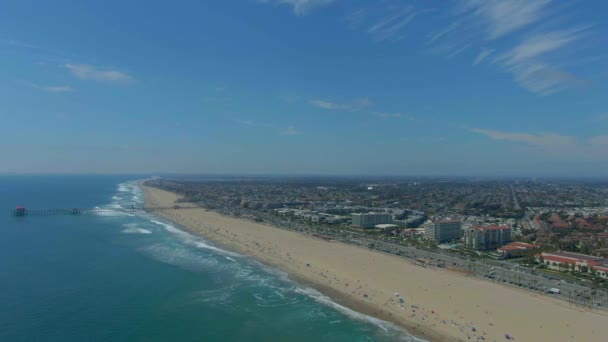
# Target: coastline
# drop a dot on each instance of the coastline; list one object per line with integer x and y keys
{"x": 439, "y": 305}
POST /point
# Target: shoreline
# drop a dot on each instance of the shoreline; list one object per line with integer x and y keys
{"x": 439, "y": 305}
{"x": 368, "y": 310}
{"x": 335, "y": 295}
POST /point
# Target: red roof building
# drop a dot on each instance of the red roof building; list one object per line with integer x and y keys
{"x": 578, "y": 262}
{"x": 515, "y": 249}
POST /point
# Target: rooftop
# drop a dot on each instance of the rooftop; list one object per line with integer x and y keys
{"x": 448, "y": 221}
{"x": 567, "y": 257}
{"x": 491, "y": 228}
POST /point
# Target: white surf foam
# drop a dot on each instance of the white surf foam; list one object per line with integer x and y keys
{"x": 384, "y": 325}
{"x": 193, "y": 240}
{"x": 179, "y": 256}
{"x": 112, "y": 213}
{"x": 136, "y": 231}
{"x": 215, "y": 249}
{"x": 133, "y": 228}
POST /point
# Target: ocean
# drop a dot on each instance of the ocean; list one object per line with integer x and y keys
{"x": 137, "y": 277}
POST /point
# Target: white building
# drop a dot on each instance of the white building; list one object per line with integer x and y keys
{"x": 447, "y": 230}
{"x": 487, "y": 237}
{"x": 369, "y": 220}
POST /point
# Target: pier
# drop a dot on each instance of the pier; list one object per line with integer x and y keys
{"x": 22, "y": 211}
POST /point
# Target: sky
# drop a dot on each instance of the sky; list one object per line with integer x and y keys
{"x": 451, "y": 87}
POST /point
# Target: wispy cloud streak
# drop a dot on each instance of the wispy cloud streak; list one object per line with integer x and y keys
{"x": 533, "y": 60}
{"x": 384, "y": 23}
{"x": 354, "y": 105}
{"x": 500, "y": 18}
{"x": 291, "y": 130}
{"x": 525, "y": 62}
{"x": 547, "y": 140}
{"x": 300, "y": 7}
{"x": 485, "y": 52}
{"x": 286, "y": 131}
{"x": 89, "y": 72}
{"x": 570, "y": 147}
{"x": 384, "y": 115}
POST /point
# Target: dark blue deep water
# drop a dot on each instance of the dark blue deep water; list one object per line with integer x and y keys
{"x": 123, "y": 277}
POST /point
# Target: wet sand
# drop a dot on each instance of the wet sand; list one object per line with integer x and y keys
{"x": 438, "y": 305}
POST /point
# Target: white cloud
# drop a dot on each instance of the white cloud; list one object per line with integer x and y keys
{"x": 543, "y": 79}
{"x": 476, "y": 21}
{"x": 290, "y": 98}
{"x": 245, "y": 122}
{"x": 389, "y": 27}
{"x": 538, "y": 44}
{"x": 456, "y": 50}
{"x": 300, "y": 7}
{"x": 89, "y": 72}
{"x": 525, "y": 63}
{"x": 23, "y": 44}
{"x": 354, "y": 105}
{"x": 54, "y": 89}
{"x": 564, "y": 146}
{"x": 291, "y": 130}
{"x": 436, "y": 35}
{"x": 549, "y": 142}
{"x": 500, "y": 18}
{"x": 541, "y": 139}
{"x": 385, "y": 115}
{"x": 485, "y": 52}
{"x": 534, "y": 60}
{"x": 357, "y": 18}
{"x": 327, "y": 104}
{"x": 361, "y": 102}
{"x": 384, "y": 22}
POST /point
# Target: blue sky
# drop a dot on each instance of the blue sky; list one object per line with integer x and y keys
{"x": 465, "y": 87}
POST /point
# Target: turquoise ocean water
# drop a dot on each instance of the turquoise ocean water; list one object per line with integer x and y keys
{"x": 123, "y": 277}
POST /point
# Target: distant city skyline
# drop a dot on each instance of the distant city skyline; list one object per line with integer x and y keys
{"x": 321, "y": 87}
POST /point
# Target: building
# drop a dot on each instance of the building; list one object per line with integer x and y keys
{"x": 514, "y": 250}
{"x": 386, "y": 226}
{"x": 428, "y": 228}
{"x": 486, "y": 238}
{"x": 20, "y": 211}
{"x": 566, "y": 261}
{"x": 447, "y": 230}
{"x": 369, "y": 220}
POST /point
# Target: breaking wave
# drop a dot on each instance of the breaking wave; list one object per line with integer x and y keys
{"x": 266, "y": 286}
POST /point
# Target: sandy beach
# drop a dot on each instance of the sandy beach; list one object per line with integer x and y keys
{"x": 438, "y": 305}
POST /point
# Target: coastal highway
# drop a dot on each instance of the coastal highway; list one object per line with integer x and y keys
{"x": 503, "y": 272}
{"x": 510, "y": 276}
{"x": 491, "y": 270}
